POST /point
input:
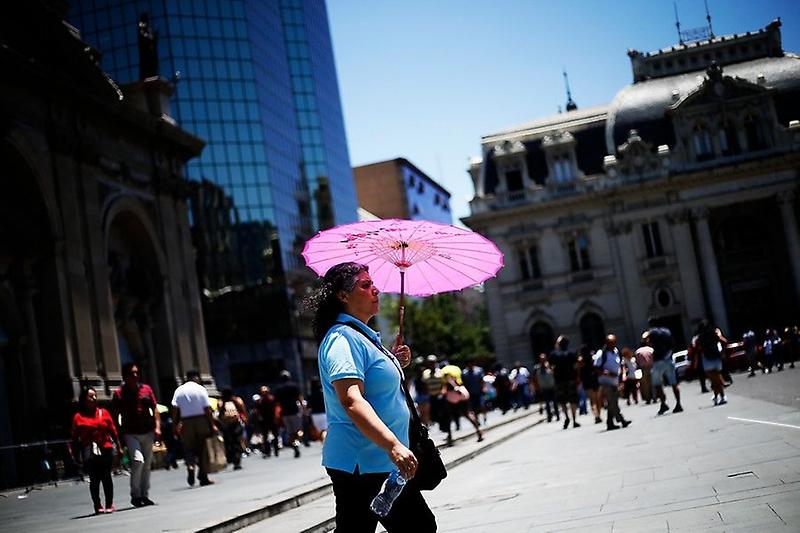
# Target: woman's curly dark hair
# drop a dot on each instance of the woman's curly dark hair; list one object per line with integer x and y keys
{"x": 324, "y": 299}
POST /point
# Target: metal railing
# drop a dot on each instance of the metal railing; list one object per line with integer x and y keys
{"x": 32, "y": 464}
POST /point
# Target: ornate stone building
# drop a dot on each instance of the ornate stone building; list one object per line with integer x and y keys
{"x": 96, "y": 261}
{"x": 675, "y": 201}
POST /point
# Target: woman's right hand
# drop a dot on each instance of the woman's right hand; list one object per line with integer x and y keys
{"x": 404, "y": 459}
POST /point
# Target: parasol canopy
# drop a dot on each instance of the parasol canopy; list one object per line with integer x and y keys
{"x": 437, "y": 257}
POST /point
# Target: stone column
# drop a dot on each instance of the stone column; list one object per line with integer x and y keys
{"x": 687, "y": 266}
{"x": 710, "y": 270}
{"x": 633, "y": 295}
{"x": 786, "y": 201}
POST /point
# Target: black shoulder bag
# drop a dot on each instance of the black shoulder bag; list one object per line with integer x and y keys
{"x": 430, "y": 467}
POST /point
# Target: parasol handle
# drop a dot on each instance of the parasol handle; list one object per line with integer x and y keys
{"x": 402, "y": 301}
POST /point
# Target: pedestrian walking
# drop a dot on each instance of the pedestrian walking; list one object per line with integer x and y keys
{"x": 771, "y": 347}
{"x": 232, "y": 417}
{"x": 750, "y": 345}
{"x": 630, "y": 382}
{"x": 589, "y": 382}
{"x": 472, "y": 376}
{"x": 369, "y": 416}
{"x": 545, "y": 386}
{"x": 95, "y": 440}
{"x": 135, "y": 407}
{"x": 267, "y": 418}
{"x": 609, "y": 367}
{"x": 565, "y": 371}
{"x": 710, "y": 343}
{"x": 290, "y": 400}
{"x": 520, "y": 378}
{"x": 194, "y": 423}
{"x": 502, "y": 387}
{"x": 644, "y": 362}
{"x": 660, "y": 340}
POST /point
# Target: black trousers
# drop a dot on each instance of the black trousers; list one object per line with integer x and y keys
{"x": 99, "y": 469}
{"x": 354, "y": 492}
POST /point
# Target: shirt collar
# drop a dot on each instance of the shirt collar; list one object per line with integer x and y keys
{"x": 374, "y": 335}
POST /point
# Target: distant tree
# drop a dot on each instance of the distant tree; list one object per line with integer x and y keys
{"x": 451, "y": 325}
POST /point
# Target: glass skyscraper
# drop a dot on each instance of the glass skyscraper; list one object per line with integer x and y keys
{"x": 256, "y": 80}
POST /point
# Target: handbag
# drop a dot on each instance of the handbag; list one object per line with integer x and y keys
{"x": 430, "y": 467}
{"x": 215, "y": 453}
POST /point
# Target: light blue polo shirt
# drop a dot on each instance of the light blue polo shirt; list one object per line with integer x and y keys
{"x": 346, "y": 353}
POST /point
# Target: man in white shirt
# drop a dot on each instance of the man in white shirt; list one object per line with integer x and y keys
{"x": 609, "y": 367}
{"x": 194, "y": 423}
{"x": 520, "y": 379}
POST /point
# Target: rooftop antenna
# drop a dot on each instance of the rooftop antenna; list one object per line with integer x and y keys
{"x": 708, "y": 18}
{"x": 571, "y": 105}
{"x": 677, "y": 22}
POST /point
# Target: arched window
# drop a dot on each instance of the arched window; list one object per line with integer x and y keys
{"x": 754, "y": 133}
{"x": 593, "y": 331}
{"x": 701, "y": 140}
{"x": 542, "y": 338}
{"x": 728, "y": 139}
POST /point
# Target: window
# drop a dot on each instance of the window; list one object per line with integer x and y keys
{"x": 729, "y": 140}
{"x": 514, "y": 180}
{"x": 652, "y": 239}
{"x": 561, "y": 169}
{"x": 411, "y": 182}
{"x": 529, "y": 263}
{"x": 703, "y": 149}
{"x": 754, "y": 133}
{"x": 579, "y": 253}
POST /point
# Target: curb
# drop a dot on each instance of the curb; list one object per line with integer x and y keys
{"x": 287, "y": 504}
{"x": 328, "y": 525}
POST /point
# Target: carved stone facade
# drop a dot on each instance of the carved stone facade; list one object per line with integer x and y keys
{"x": 675, "y": 201}
{"x": 96, "y": 262}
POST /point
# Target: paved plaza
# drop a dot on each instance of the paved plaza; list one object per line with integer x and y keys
{"x": 729, "y": 468}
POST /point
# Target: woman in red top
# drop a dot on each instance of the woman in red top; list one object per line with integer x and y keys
{"x": 96, "y": 437}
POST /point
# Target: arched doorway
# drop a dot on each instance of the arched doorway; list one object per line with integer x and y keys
{"x": 593, "y": 330}
{"x": 137, "y": 298}
{"x": 754, "y": 268}
{"x": 542, "y": 338}
{"x": 34, "y": 373}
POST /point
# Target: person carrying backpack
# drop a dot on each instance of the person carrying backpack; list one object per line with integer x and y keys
{"x": 710, "y": 342}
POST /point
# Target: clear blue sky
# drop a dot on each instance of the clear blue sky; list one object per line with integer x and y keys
{"x": 426, "y": 79}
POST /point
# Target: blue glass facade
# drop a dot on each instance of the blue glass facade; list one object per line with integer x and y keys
{"x": 257, "y": 81}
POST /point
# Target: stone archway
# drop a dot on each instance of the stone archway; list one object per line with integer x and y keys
{"x": 592, "y": 330}
{"x": 754, "y": 267}
{"x": 135, "y": 267}
{"x": 542, "y": 338}
{"x": 34, "y": 369}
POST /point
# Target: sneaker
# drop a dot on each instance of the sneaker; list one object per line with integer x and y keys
{"x": 205, "y": 482}
{"x": 678, "y": 409}
{"x": 625, "y": 423}
{"x": 99, "y": 509}
{"x": 109, "y": 510}
{"x": 612, "y": 427}
{"x": 716, "y": 400}
{"x": 575, "y": 424}
{"x": 566, "y": 422}
{"x": 663, "y": 409}
{"x": 137, "y": 502}
{"x": 723, "y": 401}
{"x": 237, "y": 467}
{"x": 598, "y": 420}
{"x": 190, "y": 476}
{"x": 146, "y": 501}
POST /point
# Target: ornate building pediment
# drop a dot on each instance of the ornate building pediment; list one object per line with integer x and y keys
{"x": 716, "y": 88}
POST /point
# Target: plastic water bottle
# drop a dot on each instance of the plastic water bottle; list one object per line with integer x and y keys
{"x": 390, "y": 490}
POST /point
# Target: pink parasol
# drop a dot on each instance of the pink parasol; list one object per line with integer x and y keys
{"x": 437, "y": 257}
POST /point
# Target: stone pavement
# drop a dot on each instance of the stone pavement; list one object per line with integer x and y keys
{"x": 707, "y": 469}
{"x": 263, "y": 487}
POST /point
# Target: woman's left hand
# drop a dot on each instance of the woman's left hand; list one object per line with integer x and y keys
{"x": 401, "y": 351}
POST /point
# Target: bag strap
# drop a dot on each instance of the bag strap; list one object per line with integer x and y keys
{"x": 411, "y": 407}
